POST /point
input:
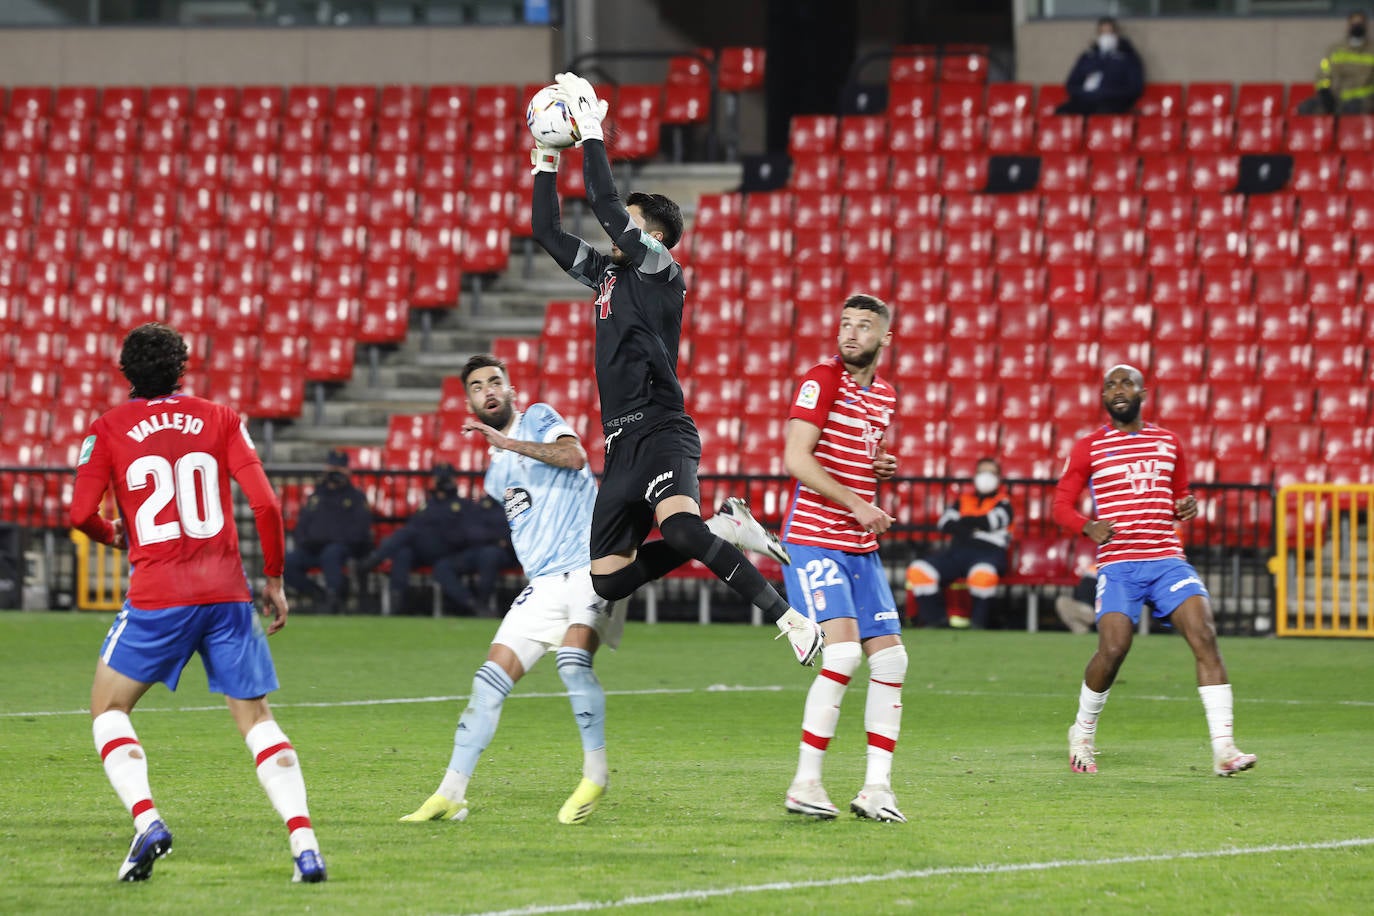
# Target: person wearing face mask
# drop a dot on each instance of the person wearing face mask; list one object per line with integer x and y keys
{"x": 1345, "y": 76}
{"x": 1107, "y": 78}
{"x": 979, "y": 526}
{"x": 454, "y": 536}
{"x": 335, "y": 525}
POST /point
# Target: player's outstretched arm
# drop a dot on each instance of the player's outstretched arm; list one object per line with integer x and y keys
{"x": 564, "y": 452}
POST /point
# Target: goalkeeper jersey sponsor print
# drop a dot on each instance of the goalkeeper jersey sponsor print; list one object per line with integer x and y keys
{"x": 852, "y": 420}
{"x": 1134, "y": 479}
{"x": 548, "y": 508}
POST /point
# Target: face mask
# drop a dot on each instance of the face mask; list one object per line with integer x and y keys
{"x": 985, "y": 482}
{"x": 1106, "y": 42}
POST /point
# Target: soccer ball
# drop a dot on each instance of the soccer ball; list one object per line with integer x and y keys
{"x": 549, "y": 120}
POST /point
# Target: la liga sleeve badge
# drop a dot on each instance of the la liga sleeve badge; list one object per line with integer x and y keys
{"x": 809, "y": 394}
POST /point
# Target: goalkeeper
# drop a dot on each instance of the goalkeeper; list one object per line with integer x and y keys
{"x": 652, "y": 445}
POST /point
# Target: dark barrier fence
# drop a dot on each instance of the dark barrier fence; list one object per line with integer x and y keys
{"x": 1230, "y": 542}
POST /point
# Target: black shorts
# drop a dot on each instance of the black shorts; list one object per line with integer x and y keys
{"x": 643, "y": 468}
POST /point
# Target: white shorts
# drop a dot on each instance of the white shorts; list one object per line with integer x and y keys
{"x": 540, "y": 615}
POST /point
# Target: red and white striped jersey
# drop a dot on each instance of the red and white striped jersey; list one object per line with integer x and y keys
{"x": 1134, "y": 478}
{"x": 852, "y": 420}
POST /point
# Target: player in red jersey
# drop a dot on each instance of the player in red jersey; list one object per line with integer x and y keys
{"x": 834, "y": 451}
{"x": 168, "y": 457}
{"x": 1139, "y": 482}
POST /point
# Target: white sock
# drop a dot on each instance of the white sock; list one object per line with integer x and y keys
{"x": 595, "y": 767}
{"x": 454, "y": 787}
{"x": 821, "y": 714}
{"x": 883, "y": 711}
{"x": 279, "y": 772}
{"x": 1090, "y": 704}
{"x": 125, "y": 765}
{"x": 1218, "y": 704}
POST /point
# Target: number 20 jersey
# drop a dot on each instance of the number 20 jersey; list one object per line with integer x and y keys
{"x": 169, "y": 461}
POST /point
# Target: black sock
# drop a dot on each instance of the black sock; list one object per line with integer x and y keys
{"x": 688, "y": 535}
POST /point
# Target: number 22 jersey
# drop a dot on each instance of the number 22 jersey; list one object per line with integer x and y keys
{"x": 169, "y": 461}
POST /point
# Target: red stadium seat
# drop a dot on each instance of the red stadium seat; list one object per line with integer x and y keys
{"x": 1060, "y": 133}
{"x": 1261, "y": 100}
{"x": 1338, "y": 363}
{"x": 1018, "y": 211}
{"x": 1326, "y": 249}
{"x": 862, "y": 133}
{"x": 970, "y": 285}
{"x": 1260, "y": 135}
{"x": 1008, "y": 99}
{"x": 741, "y": 69}
{"x": 861, "y": 172}
{"x": 1069, "y": 247}
{"x": 1179, "y": 361}
{"x": 1020, "y": 288}
{"x": 1235, "y": 404}
{"x": 1213, "y": 172}
{"x": 1109, "y": 134}
{"x": 910, "y": 99}
{"x": 1012, "y": 134}
{"x": 965, "y": 211}
{"x": 1066, "y": 172}
{"x": 1273, "y": 249}
{"x": 969, "y": 247}
{"x": 1208, "y": 100}
{"x": 1286, "y": 366}
{"x": 1209, "y": 134}
{"x": 1048, "y": 99}
{"x": 1060, "y": 210}
{"x": 1324, "y": 212}
{"x": 1315, "y": 171}
{"x": 1341, "y": 407}
{"x": 963, "y": 172}
{"x": 76, "y": 102}
{"x": 1124, "y": 285}
{"x": 1161, "y": 99}
{"x": 1359, "y": 173}
{"x": 1171, "y": 249}
{"x": 915, "y": 172}
{"x": 1167, "y": 210}
{"x": 1158, "y": 135}
{"x": 1270, "y": 212}
{"x": 819, "y": 171}
{"x": 913, "y": 135}
{"x": 962, "y": 134}
{"x": 1311, "y": 135}
{"x": 1114, "y": 173}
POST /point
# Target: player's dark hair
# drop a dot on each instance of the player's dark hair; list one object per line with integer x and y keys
{"x": 482, "y": 361}
{"x": 1108, "y": 20}
{"x": 153, "y": 359}
{"x": 660, "y": 215}
{"x": 868, "y": 303}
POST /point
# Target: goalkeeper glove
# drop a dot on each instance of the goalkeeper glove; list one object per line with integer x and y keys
{"x": 585, "y": 109}
{"x": 543, "y": 159}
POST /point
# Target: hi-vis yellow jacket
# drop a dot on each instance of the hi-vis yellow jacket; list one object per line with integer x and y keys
{"x": 1347, "y": 71}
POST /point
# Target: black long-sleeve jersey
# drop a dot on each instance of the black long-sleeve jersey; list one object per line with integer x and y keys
{"x": 638, "y": 305}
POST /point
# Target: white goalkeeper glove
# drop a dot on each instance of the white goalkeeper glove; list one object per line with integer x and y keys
{"x": 805, "y": 635}
{"x": 544, "y": 159}
{"x": 586, "y": 110}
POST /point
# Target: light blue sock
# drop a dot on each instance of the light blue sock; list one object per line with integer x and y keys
{"x": 477, "y": 725}
{"x": 589, "y": 708}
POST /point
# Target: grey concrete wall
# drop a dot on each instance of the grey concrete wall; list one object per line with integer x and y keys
{"x": 1180, "y": 50}
{"x": 175, "y": 56}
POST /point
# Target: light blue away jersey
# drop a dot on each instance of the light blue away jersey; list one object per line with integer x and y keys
{"x": 549, "y": 508}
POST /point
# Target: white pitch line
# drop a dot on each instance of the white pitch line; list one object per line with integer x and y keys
{"x": 714, "y": 688}
{"x": 402, "y": 701}
{"x": 914, "y": 874}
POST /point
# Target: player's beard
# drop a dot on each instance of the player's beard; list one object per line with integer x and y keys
{"x": 500, "y": 417}
{"x": 1125, "y": 415}
{"x": 861, "y": 360}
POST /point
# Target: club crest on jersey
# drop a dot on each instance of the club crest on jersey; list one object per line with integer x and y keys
{"x": 1141, "y": 475}
{"x": 809, "y": 395}
{"x": 603, "y": 298}
{"x": 87, "y": 447}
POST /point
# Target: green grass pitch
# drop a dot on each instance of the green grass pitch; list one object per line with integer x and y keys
{"x": 703, "y": 728}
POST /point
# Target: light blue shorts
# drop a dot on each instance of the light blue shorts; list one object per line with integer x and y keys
{"x": 1125, "y": 586}
{"x": 152, "y": 646}
{"x": 825, "y": 584}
